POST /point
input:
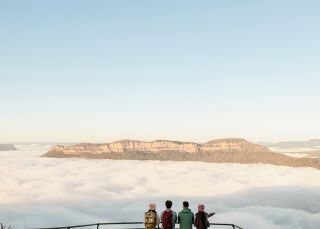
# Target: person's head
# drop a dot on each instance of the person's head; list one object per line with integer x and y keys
{"x": 152, "y": 206}
{"x": 185, "y": 204}
{"x": 201, "y": 208}
{"x": 168, "y": 203}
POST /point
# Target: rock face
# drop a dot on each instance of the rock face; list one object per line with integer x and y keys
{"x": 7, "y": 147}
{"x": 230, "y": 144}
{"x": 314, "y": 154}
{"x": 230, "y": 150}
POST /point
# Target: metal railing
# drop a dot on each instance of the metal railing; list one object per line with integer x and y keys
{"x": 97, "y": 225}
{"x": 2, "y": 226}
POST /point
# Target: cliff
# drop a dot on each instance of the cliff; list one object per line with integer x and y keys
{"x": 7, "y": 147}
{"x": 230, "y": 144}
{"x": 230, "y": 150}
{"x": 314, "y": 154}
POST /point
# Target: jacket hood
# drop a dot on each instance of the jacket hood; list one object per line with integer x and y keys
{"x": 186, "y": 210}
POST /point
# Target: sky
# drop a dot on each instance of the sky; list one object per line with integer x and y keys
{"x": 99, "y": 71}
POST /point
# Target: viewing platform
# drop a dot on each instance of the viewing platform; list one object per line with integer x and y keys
{"x": 127, "y": 225}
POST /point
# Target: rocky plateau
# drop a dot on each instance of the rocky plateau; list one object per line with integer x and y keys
{"x": 229, "y": 150}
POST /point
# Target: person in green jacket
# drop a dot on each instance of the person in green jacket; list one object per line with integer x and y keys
{"x": 186, "y": 217}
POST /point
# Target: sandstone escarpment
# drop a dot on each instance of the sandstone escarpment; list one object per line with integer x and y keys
{"x": 230, "y": 150}
{"x": 314, "y": 154}
{"x": 230, "y": 144}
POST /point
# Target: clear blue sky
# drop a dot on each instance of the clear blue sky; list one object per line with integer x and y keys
{"x": 186, "y": 70}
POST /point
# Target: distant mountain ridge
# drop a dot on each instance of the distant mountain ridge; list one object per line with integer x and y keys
{"x": 229, "y": 150}
{"x": 313, "y": 143}
{"x": 7, "y": 147}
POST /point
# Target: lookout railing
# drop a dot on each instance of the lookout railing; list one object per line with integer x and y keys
{"x": 97, "y": 225}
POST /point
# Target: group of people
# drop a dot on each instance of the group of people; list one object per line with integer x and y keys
{"x": 169, "y": 218}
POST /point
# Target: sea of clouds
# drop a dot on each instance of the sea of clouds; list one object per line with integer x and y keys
{"x": 44, "y": 192}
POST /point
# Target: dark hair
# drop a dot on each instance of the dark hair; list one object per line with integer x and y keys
{"x": 168, "y": 203}
{"x": 185, "y": 204}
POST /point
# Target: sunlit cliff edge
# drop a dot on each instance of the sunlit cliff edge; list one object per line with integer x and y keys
{"x": 229, "y": 150}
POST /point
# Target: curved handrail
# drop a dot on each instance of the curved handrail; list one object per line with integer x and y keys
{"x": 127, "y": 223}
{"x": 2, "y": 226}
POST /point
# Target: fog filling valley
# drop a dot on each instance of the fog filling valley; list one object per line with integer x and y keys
{"x": 48, "y": 192}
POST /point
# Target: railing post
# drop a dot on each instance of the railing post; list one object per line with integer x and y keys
{"x": 98, "y": 225}
{"x": 233, "y": 226}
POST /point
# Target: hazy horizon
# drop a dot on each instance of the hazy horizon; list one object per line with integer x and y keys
{"x": 147, "y": 140}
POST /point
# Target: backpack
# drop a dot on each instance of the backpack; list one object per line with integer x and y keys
{"x": 150, "y": 219}
{"x": 167, "y": 219}
{"x": 201, "y": 221}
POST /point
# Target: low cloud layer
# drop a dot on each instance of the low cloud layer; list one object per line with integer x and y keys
{"x": 43, "y": 192}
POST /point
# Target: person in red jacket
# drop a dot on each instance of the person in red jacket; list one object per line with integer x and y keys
{"x": 201, "y": 218}
{"x": 168, "y": 217}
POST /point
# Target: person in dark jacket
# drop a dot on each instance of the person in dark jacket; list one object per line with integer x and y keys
{"x": 201, "y": 220}
{"x": 185, "y": 217}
